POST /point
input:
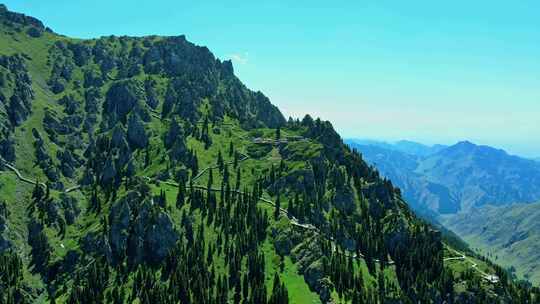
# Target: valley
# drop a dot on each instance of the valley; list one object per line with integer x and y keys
{"x": 474, "y": 191}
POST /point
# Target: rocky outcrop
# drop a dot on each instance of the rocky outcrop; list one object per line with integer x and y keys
{"x": 121, "y": 98}
{"x": 70, "y": 208}
{"x": 136, "y": 133}
{"x": 120, "y": 218}
{"x": 70, "y": 103}
{"x": 34, "y": 32}
{"x": 307, "y": 255}
{"x": 140, "y": 230}
{"x": 53, "y": 126}
{"x": 306, "y": 252}
{"x": 68, "y": 162}
{"x": 45, "y": 162}
{"x": 92, "y": 100}
{"x": 81, "y": 53}
{"x": 97, "y": 245}
{"x": 153, "y": 235}
{"x": 109, "y": 172}
{"x": 175, "y": 141}
{"x": 118, "y": 137}
{"x": 7, "y": 149}
{"x": 4, "y": 213}
{"x": 151, "y": 94}
{"x": 19, "y": 105}
{"x": 18, "y": 18}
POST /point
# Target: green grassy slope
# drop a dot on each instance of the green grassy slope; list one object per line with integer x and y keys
{"x": 508, "y": 235}
{"x": 177, "y": 197}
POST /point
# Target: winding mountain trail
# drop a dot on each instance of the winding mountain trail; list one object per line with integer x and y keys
{"x": 293, "y": 220}
{"x": 462, "y": 257}
{"x": 19, "y": 174}
{"x": 244, "y": 157}
{"x": 31, "y": 181}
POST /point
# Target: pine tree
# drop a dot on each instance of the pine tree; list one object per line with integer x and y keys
{"x": 210, "y": 180}
{"x": 277, "y": 207}
{"x": 181, "y": 195}
{"x": 147, "y": 159}
{"x": 382, "y": 287}
{"x": 236, "y": 159}
{"x": 279, "y": 292}
{"x": 290, "y": 208}
{"x": 238, "y": 179}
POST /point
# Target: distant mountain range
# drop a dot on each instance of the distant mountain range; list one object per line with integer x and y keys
{"x": 447, "y": 179}
{"x": 472, "y": 190}
{"x": 405, "y": 146}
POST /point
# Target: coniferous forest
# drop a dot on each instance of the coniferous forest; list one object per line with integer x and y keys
{"x": 142, "y": 170}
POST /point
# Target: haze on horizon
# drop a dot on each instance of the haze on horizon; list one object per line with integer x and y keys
{"x": 422, "y": 71}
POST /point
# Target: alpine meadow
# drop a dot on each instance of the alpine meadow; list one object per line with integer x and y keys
{"x": 142, "y": 170}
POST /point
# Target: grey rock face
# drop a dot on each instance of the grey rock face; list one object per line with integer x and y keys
{"x": 121, "y": 98}
{"x": 140, "y": 230}
{"x": 153, "y": 234}
{"x": 311, "y": 266}
{"x": 119, "y": 218}
{"x": 343, "y": 199}
{"x": 7, "y": 149}
{"x": 96, "y": 244}
{"x": 136, "y": 134}
{"x": 109, "y": 171}
{"x": 118, "y": 136}
{"x": 70, "y": 207}
{"x": 4, "y": 242}
{"x": 160, "y": 237}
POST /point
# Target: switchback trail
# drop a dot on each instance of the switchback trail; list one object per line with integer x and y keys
{"x": 244, "y": 157}
{"x": 31, "y": 181}
{"x": 292, "y": 219}
{"x": 462, "y": 257}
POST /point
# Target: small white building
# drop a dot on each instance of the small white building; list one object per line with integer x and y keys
{"x": 492, "y": 278}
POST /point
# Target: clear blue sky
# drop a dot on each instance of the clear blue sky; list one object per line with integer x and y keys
{"x": 420, "y": 70}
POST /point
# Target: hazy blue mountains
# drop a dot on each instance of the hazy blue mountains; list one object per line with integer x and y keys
{"x": 444, "y": 180}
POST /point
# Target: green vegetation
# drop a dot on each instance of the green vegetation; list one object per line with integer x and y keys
{"x": 509, "y": 236}
{"x": 152, "y": 188}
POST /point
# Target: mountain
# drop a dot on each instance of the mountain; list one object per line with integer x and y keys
{"x": 474, "y": 188}
{"x": 405, "y": 146}
{"x": 458, "y": 177}
{"x": 509, "y": 234}
{"x": 142, "y": 170}
{"x": 483, "y": 175}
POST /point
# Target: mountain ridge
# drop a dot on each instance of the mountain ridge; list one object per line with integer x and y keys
{"x": 171, "y": 163}
{"x": 464, "y": 169}
{"x": 499, "y": 227}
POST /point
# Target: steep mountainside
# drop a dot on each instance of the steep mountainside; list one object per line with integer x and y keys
{"x": 483, "y": 175}
{"x": 458, "y": 182}
{"x": 458, "y": 177}
{"x": 141, "y": 170}
{"x": 510, "y": 234}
